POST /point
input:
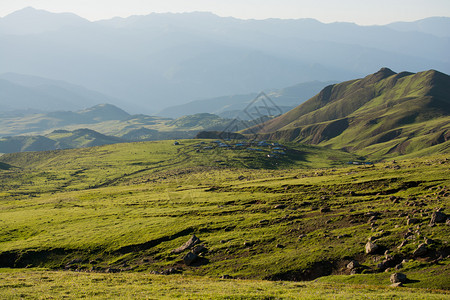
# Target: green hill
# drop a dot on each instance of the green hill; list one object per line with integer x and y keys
{"x": 384, "y": 114}
{"x": 58, "y": 139}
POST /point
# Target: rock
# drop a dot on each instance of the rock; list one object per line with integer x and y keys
{"x": 399, "y": 266}
{"x": 412, "y": 221}
{"x": 402, "y": 244}
{"x": 170, "y": 271}
{"x": 248, "y": 244}
{"x": 280, "y": 206}
{"x": 188, "y": 245}
{"x": 397, "y": 284}
{"x": 226, "y": 277}
{"x": 372, "y": 218}
{"x": 199, "y": 249}
{"x": 301, "y": 236}
{"x": 428, "y": 241}
{"x": 354, "y": 271}
{"x": 325, "y": 209}
{"x": 371, "y": 248}
{"x": 190, "y": 258}
{"x": 398, "y": 277}
{"x": 279, "y": 246}
{"x": 438, "y": 217}
{"x": 421, "y": 250}
{"x": 353, "y": 264}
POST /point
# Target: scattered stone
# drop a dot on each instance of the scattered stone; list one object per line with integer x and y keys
{"x": 301, "y": 236}
{"x": 353, "y": 264}
{"x": 325, "y": 209}
{"x": 354, "y": 271}
{"x": 280, "y": 206}
{"x": 248, "y": 244}
{"x": 421, "y": 250}
{"x": 438, "y": 217}
{"x": 226, "y": 277}
{"x": 190, "y": 258}
{"x": 428, "y": 241}
{"x": 372, "y": 218}
{"x": 188, "y": 245}
{"x": 371, "y": 248}
{"x": 402, "y": 244}
{"x": 170, "y": 271}
{"x": 279, "y": 246}
{"x": 412, "y": 221}
{"x": 398, "y": 277}
{"x": 199, "y": 249}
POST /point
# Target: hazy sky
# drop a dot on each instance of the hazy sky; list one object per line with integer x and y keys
{"x": 364, "y": 12}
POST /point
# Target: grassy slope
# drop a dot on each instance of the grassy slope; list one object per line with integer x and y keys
{"x": 25, "y": 283}
{"x": 127, "y": 206}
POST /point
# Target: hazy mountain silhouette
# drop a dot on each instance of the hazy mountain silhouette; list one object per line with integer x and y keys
{"x": 21, "y": 92}
{"x": 230, "y": 106}
{"x": 161, "y": 60}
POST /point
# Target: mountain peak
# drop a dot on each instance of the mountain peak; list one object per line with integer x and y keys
{"x": 380, "y": 75}
{"x": 30, "y": 20}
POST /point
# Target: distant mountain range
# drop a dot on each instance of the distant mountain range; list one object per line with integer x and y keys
{"x": 99, "y": 125}
{"x": 232, "y": 106}
{"x": 382, "y": 114}
{"x": 25, "y": 92}
{"x": 160, "y": 60}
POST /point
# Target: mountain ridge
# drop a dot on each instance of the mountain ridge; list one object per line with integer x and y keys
{"x": 379, "y": 114}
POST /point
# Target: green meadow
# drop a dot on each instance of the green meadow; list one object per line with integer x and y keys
{"x": 103, "y": 222}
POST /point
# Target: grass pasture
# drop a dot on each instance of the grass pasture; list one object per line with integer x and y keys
{"x": 108, "y": 219}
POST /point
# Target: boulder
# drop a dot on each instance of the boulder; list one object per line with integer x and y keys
{"x": 371, "y": 248}
{"x": 188, "y": 245}
{"x": 421, "y": 250}
{"x": 398, "y": 277}
{"x": 397, "y": 284}
{"x": 353, "y": 264}
{"x": 438, "y": 217}
{"x": 190, "y": 258}
{"x": 412, "y": 221}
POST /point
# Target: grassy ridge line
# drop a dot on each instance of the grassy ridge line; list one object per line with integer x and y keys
{"x": 24, "y": 283}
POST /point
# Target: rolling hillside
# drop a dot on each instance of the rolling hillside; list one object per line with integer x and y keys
{"x": 380, "y": 115}
{"x": 224, "y": 213}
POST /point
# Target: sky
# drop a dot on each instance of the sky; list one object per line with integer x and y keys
{"x": 362, "y": 12}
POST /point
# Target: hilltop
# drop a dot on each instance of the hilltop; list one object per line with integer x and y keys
{"x": 383, "y": 114}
